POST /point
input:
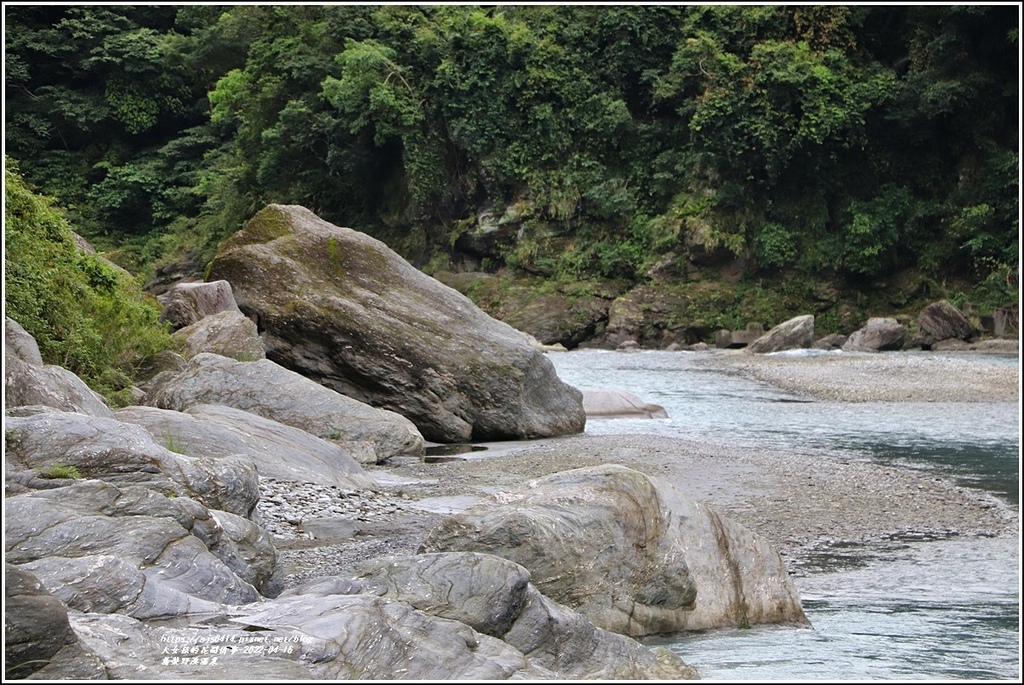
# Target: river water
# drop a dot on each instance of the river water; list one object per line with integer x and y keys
{"x": 910, "y": 610}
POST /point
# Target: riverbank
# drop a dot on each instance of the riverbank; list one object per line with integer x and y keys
{"x": 802, "y": 503}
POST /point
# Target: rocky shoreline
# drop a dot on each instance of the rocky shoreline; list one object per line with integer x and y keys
{"x": 800, "y": 503}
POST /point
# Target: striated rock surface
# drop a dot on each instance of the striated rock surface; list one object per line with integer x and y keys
{"x": 629, "y": 552}
{"x": 796, "y": 333}
{"x": 494, "y": 596}
{"x": 130, "y": 550}
{"x": 124, "y": 454}
{"x": 273, "y": 392}
{"x": 340, "y": 307}
{"x": 278, "y": 451}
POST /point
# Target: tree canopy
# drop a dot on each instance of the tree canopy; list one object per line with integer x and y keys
{"x": 855, "y": 141}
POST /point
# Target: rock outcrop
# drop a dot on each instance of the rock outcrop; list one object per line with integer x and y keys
{"x": 98, "y": 547}
{"x": 273, "y": 392}
{"x": 796, "y": 333}
{"x": 277, "y": 450}
{"x": 28, "y": 381}
{"x": 629, "y": 552}
{"x": 340, "y": 307}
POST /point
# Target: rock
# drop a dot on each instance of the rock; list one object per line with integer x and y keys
{"x": 266, "y": 389}
{"x": 128, "y": 550}
{"x": 878, "y": 335}
{"x": 28, "y": 381}
{"x": 629, "y": 553}
{"x": 121, "y": 453}
{"x": 19, "y": 344}
{"x": 37, "y": 634}
{"x": 129, "y": 649}
{"x": 618, "y": 403}
{"x": 726, "y": 339}
{"x": 228, "y": 333}
{"x": 369, "y": 638}
{"x": 157, "y": 368}
{"x": 942, "y": 321}
{"x": 833, "y": 341}
{"x": 340, "y": 307}
{"x": 278, "y": 451}
{"x": 796, "y": 333}
{"x": 494, "y": 597}
{"x": 189, "y": 303}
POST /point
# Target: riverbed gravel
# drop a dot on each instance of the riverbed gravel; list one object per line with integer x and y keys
{"x": 804, "y": 504}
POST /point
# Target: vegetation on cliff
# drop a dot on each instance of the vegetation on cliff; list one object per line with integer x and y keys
{"x": 845, "y": 148}
{"x": 86, "y": 314}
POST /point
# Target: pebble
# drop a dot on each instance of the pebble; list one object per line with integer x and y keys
{"x": 284, "y": 505}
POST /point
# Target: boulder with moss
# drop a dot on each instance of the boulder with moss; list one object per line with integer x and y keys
{"x": 343, "y": 309}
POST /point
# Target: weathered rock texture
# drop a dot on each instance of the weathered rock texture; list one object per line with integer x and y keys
{"x": 230, "y": 334}
{"x": 273, "y": 392}
{"x": 131, "y": 550}
{"x": 28, "y": 381}
{"x": 124, "y": 454}
{"x": 277, "y": 450}
{"x": 37, "y": 634}
{"x": 187, "y": 303}
{"x": 340, "y": 307}
{"x": 494, "y": 596}
{"x": 629, "y": 552}
{"x": 797, "y": 333}
{"x": 880, "y": 334}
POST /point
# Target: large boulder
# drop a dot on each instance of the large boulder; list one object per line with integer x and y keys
{"x": 229, "y": 333}
{"x": 880, "y": 334}
{"x": 123, "y": 454}
{"x": 277, "y": 450}
{"x": 340, "y": 307}
{"x": 942, "y": 321}
{"x": 629, "y": 552}
{"x": 273, "y": 392}
{"x": 796, "y": 333}
{"x": 131, "y": 550}
{"x": 28, "y": 381}
{"x": 188, "y": 303}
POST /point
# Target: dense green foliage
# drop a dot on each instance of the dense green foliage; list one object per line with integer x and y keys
{"x": 851, "y": 143}
{"x": 86, "y": 314}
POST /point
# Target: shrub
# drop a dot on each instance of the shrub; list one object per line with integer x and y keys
{"x": 86, "y": 314}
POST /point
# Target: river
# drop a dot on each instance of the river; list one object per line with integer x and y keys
{"x": 906, "y": 609}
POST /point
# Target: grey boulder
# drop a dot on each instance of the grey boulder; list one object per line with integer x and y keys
{"x": 228, "y": 333}
{"x": 796, "y": 333}
{"x": 879, "y": 334}
{"x": 342, "y": 308}
{"x": 276, "y": 393}
{"x": 942, "y": 321}
{"x": 188, "y": 303}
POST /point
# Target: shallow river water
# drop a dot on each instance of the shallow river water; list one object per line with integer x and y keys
{"x": 903, "y": 610}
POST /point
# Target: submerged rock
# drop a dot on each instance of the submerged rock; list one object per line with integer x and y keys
{"x": 342, "y": 308}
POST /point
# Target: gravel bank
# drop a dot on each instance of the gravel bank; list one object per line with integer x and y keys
{"x": 802, "y": 503}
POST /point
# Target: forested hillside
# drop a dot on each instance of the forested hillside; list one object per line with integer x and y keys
{"x": 839, "y": 149}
